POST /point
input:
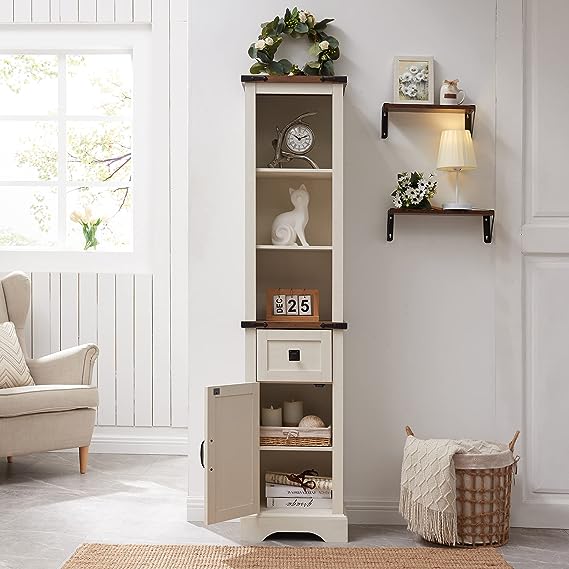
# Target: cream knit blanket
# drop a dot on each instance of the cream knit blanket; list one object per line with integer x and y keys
{"x": 428, "y": 483}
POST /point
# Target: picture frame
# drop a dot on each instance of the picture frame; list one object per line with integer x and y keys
{"x": 293, "y": 305}
{"x": 414, "y": 80}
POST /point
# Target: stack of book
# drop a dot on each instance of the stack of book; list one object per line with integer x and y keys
{"x": 282, "y": 493}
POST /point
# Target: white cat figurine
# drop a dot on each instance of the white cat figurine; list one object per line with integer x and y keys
{"x": 289, "y": 226}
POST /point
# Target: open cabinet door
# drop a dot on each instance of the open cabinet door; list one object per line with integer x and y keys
{"x": 232, "y": 452}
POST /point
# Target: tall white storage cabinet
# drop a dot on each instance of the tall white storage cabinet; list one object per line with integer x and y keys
{"x": 285, "y": 360}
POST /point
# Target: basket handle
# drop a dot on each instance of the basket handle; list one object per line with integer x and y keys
{"x": 513, "y": 441}
{"x": 409, "y": 432}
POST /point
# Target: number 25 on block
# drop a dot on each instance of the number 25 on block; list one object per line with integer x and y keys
{"x": 293, "y": 305}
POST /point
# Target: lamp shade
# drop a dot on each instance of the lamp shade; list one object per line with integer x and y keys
{"x": 456, "y": 151}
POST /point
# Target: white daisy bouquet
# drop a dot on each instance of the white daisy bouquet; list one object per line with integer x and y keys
{"x": 89, "y": 224}
{"x": 414, "y": 190}
{"x": 414, "y": 83}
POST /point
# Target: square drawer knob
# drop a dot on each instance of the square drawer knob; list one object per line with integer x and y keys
{"x": 294, "y": 355}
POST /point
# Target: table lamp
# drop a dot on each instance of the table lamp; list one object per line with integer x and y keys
{"x": 456, "y": 153}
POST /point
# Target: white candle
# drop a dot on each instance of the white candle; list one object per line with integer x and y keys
{"x": 293, "y": 411}
{"x": 271, "y": 417}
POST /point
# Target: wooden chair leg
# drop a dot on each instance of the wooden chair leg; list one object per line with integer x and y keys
{"x": 10, "y": 459}
{"x": 83, "y": 459}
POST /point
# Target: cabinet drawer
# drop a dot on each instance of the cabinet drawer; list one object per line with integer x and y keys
{"x": 294, "y": 355}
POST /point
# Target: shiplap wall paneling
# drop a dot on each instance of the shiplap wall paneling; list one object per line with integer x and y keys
{"x": 28, "y": 336}
{"x": 41, "y": 314}
{"x": 161, "y": 301}
{"x": 41, "y": 11}
{"x": 55, "y": 11}
{"x": 106, "y": 341}
{"x": 22, "y": 11}
{"x": 88, "y": 11}
{"x": 123, "y": 11}
{"x": 143, "y": 11}
{"x": 143, "y": 350}
{"x": 105, "y": 11}
{"x": 55, "y": 311}
{"x": 6, "y": 11}
{"x": 179, "y": 205}
{"x": 88, "y": 324}
{"x": 69, "y": 310}
{"x": 69, "y": 11}
{"x": 124, "y": 347}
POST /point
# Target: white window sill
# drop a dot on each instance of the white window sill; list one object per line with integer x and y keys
{"x": 73, "y": 261}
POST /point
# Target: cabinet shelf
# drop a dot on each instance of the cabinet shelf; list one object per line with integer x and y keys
{"x": 486, "y": 214}
{"x": 322, "y": 325}
{"x": 293, "y": 448}
{"x": 468, "y": 111}
{"x": 294, "y": 248}
{"x": 312, "y": 173}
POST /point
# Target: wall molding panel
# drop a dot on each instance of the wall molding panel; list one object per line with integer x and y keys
{"x": 546, "y": 386}
{"x": 75, "y": 11}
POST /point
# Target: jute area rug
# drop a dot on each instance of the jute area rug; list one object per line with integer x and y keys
{"x": 96, "y": 556}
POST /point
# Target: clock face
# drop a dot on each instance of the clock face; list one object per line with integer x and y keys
{"x": 299, "y": 139}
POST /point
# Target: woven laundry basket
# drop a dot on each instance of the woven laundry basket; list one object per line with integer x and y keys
{"x": 483, "y": 492}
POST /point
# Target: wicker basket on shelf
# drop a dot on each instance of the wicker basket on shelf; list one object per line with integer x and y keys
{"x": 483, "y": 499}
{"x": 296, "y": 436}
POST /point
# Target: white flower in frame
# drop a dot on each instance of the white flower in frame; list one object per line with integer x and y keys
{"x": 406, "y": 77}
{"x": 413, "y": 69}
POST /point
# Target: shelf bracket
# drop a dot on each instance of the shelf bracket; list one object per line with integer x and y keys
{"x": 390, "y": 225}
{"x": 469, "y": 121}
{"x": 488, "y": 228}
{"x": 384, "y": 122}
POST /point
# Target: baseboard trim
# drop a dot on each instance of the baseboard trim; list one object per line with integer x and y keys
{"x": 195, "y": 508}
{"x": 140, "y": 440}
{"x": 372, "y": 511}
{"x": 359, "y": 511}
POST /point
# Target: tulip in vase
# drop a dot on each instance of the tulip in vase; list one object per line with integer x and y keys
{"x": 89, "y": 224}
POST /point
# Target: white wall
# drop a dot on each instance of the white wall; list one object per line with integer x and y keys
{"x": 420, "y": 349}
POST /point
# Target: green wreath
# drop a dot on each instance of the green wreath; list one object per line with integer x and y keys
{"x": 296, "y": 23}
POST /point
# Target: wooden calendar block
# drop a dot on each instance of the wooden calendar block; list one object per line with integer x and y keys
{"x": 293, "y": 305}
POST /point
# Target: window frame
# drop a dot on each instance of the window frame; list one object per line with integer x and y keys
{"x": 62, "y": 40}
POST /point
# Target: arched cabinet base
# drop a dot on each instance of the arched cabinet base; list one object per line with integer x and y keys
{"x": 331, "y": 528}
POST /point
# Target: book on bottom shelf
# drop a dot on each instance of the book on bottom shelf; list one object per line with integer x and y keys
{"x": 283, "y": 491}
{"x": 299, "y": 503}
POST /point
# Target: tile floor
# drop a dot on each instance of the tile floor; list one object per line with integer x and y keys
{"x": 47, "y": 510}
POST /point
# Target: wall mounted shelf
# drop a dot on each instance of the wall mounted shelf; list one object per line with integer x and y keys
{"x": 486, "y": 214}
{"x": 468, "y": 111}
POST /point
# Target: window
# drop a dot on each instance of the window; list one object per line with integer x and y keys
{"x": 66, "y": 145}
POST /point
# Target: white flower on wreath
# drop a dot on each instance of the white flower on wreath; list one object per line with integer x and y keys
{"x": 260, "y": 44}
{"x": 324, "y": 45}
{"x": 302, "y": 16}
{"x": 269, "y": 41}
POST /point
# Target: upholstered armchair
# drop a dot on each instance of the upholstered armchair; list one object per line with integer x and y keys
{"x": 58, "y": 412}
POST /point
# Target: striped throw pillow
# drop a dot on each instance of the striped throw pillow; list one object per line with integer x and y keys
{"x": 14, "y": 371}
